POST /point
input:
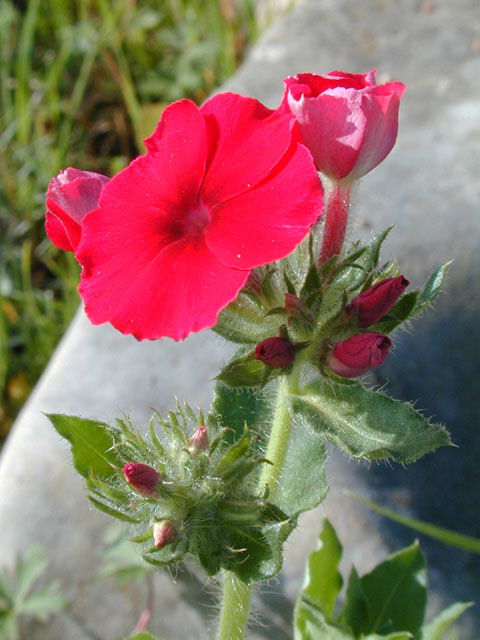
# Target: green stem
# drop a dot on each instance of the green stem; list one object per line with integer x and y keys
{"x": 237, "y": 594}
{"x": 235, "y": 604}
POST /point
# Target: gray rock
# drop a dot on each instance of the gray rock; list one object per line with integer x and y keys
{"x": 429, "y": 188}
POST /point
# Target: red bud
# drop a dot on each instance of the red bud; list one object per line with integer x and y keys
{"x": 359, "y": 354}
{"x": 375, "y": 302}
{"x": 164, "y": 532}
{"x": 142, "y": 477}
{"x": 275, "y": 352}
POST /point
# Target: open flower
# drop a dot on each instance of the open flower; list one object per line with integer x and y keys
{"x": 222, "y": 189}
{"x": 348, "y": 122}
{"x": 70, "y": 196}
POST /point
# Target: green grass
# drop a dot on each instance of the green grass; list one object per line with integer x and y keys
{"x": 81, "y": 84}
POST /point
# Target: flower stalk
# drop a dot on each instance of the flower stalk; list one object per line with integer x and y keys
{"x": 336, "y": 218}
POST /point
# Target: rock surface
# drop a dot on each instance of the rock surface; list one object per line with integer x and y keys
{"x": 429, "y": 188}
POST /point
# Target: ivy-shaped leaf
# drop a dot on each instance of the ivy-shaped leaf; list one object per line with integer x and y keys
{"x": 366, "y": 424}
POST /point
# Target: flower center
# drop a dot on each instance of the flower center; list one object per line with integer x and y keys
{"x": 195, "y": 220}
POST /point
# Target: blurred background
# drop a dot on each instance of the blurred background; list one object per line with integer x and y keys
{"x": 82, "y": 83}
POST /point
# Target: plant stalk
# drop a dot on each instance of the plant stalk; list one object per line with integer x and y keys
{"x": 237, "y": 594}
{"x": 336, "y": 217}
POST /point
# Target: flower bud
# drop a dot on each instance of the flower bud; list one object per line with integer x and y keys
{"x": 164, "y": 532}
{"x": 142, "y": 478}
{"x": 359, "y": 354}
{"x": 199, "y": 440}
{"x": 275, "y": 352}
{"x": 70, "y": 196}
{"x": 375, "y": 302}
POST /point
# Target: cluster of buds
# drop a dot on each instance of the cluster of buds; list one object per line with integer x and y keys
{"x": 186, "y": 493}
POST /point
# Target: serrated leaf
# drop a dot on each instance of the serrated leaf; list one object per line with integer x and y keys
{"x": 434, "y": 629}
{"x": 323, "y": 580}
{"x": 91, "y": 445}
{"x": 44, "y": 602}
{"x": 432, "y": 287}
{"x": 366, "y": 424}
{"x": 302, "y": 484}
{"x": 396, "y": 593}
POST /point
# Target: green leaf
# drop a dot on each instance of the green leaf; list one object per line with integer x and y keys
{"x": 355, "y": 610}
{"x": 143, "y": 635}
{"x": 27, "y": 571}
{"x": 396, "y": 593}
{"x": 434, "y": 629}
{"x": 323, "y": 580}
{"x": 432, "y": 287}
{"x": 302, "y": 484}
{"x": 8, "y": 626}
{"x": 402, "y": 635}
{"x": 459, "y": 540}
{"x": 44, "y": 602}
{"x": 235, "y": 407}
{"x": 91, "y": 444}
{"x": 401, "y": 311}
{"x": 313, "y": 624}
{"x": 366, "y": 424}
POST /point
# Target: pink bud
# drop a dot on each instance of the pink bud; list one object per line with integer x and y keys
{"x": 375, "y": 302}
{"x": 164, "y": 532}
{"x": 347, "y": 121}
{"x": 199, "y": 440}
{"x": 70, "y": 196}
{"x": 359, "y": 354}
{"x": 275, "y": 352}
{"x": 142, "y": 478}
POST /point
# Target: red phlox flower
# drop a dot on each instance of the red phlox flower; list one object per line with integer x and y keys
{"x": 222, "y": 189}
{"x": 348, "y": 122}
{"x": 70, "y": 196}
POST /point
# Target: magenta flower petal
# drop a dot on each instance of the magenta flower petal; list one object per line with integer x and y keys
{"x": 267, "y": 222}
{"x": 70, "y": 196}
{"x": 246, "y": 140}
{"x": 148, "y": 282}
{"x": 171, "y": 172}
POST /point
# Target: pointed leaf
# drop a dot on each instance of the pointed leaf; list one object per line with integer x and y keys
{"x": 434, "y": 629}
{"x": 432, "y": 287}
{"x": 355, "y": 610}
{"x": 91, "y": 445}
{"x": 311, "y": 623}
{"x": 396, "y": 593}
{"x": 28, "y": 569}
{"x": 366, "y": 424}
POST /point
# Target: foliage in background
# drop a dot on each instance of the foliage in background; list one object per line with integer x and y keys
{"x": 18, "y": 597}
{"x": 82, "y": 83}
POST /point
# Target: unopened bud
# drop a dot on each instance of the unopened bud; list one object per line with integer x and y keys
{"x": 275, "y": 352}
{"x": 142, "y": 477}
{"x": 359, "y": 354}
{"x": 199, "y": 440}
{"x": 375, "y": 302}
{"x": 164, "y": 532}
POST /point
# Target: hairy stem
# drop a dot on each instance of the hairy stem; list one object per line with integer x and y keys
{"x": 336, "y": 217}
{"x": 237, "y": 594}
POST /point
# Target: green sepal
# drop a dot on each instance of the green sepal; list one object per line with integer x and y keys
{"x": 243, "y": 321}
{"x": 115, "y": 513}
{"x": 246, "y": 371}
{"x": 91, "y": 444}
{"x": 432, "y": 288}
{"x": 401, "y": 311}
{"x": 353, "y": 419}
